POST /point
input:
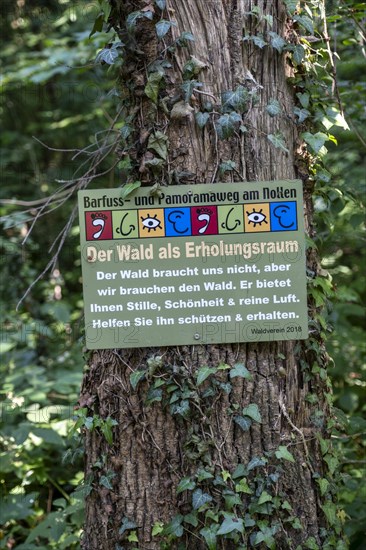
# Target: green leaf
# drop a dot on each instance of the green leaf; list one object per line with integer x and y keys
{"x": 304, "y": 99}
{"x": 161, "y": 4}
{"x": 157, "y": 529}
{"x": 136, "y": 376}
{"x": 256, "y": 462}
{"x": 163, "y": 26}
{"x": 126, "y": 525}
{"x": 227, "y": 166}
{"x": 108, "y": 55}
{"x": 235, "y": 100}
{"x": 175, "y": 527}
{"x": 184, "y": 38}
{"x": 315, "y": 141}
{"x": 277, "y": 42}
{"x": 133, "y": 17}
{"x": 209, "y": 534}
{"x": 106, "y": 481}
{"x": 243, "y": 423}
{"x": 152, "y": 86}
{"x": 185, "y": 484}
{"x": 257, "y": 39}
{"x": 330, "y": 511}
{"x": 132, "y": 537}
{"x": 298, "y": 54}
{"x": 265, "y": 497}
{"x": 191, "y": 518}
{"x": 203, "y": 373}
{"x": 230, "y": 524}
{"x": 324, "y": 485}
{"x": 240, "y": 370}
{"x": 252, "y": 411}
{"x": 153, "y": 395}
{"x": 273, "y": 108}
{"x": 188, "y": 87}
{"x": 243, "y": 487}
{"x": 129, "y": 188}
{"x": 305, "y": 22}
{"x": 291, "y": 6}
{"x": 202, "y": 119}
{"x": 311, "y": 543}
{"x": 226, "y": 125}
{"x": 278, "y": 141}
{"x": 283, "y": 453}
{"x": 203, "y": 474}
{"x": 98, "y": 24}
{"x": 302, "y": 114}
{"x": 158, "y": 143}
{"x": 199, "y": 498}
{"x": 193, "y": 67}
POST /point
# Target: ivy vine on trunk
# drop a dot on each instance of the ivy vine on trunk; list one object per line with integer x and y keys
{"x": 217, "y": 446}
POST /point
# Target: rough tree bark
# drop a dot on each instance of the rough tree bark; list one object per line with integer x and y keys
{"x": 153, "y": 449}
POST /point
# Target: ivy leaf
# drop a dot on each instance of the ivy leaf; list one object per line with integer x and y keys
{"x": 240, "y": 370}
{"x": 185, "y": 484}
{"x": 201, "y": 119}
{"x": 298, "y": 54}
{"x": 193, "y": 67}
{"x": 191, "y": 519}
{"x": 324, "y": 485}
{"x": 129, "y": 188}
{"x": 265, "y": 497}
{"x": 163, "y": 27}
{"x": 278, "y": 141}
{"x": 161, "y": 4}
{"x": 188, "y": 87}
{"x": 330, "y": 511}
{"x": 235, "y": 100}
{"x": 203, "y": 474}
{"x": 153, "y": 395}
{"x": 304, "y": 99}
{"x": 175, "y": 527}
{"x": 291, "y": 6}
{"x": 305, "y": 22}
{"x": 227, "y": 166}
{"x": 209, "y": 534}
{"x": 256, "y": 462}
{"x": 244, "y": 423}
{"x": 152, "y": 86}
{"x": 273, "y": 108}
{"x": 184, "y": 38}
{"x": 133, "y": 17}
{"x": 158, "y": 142}
{"x": 126, "y": 525}
{"x": 277, "y": 42}
{"x": 203, "y": 373}
{"x": 243, "y": 487}
{"x": 302, "y": 114}
{"x": 253, "y": 412}
{"x": 136, "y": 376}
{"x": 316, "y": 141}
{"x": 230, "y": 524}
{"x": 108, "y": 55}
{"x": 257, "y": 39}
{"x": 199, "y": 498}
{"x": 182, "y": 408}
{"x": 283, "y": 453}
{"x": 98, "y": 24}
{"x": 106, "y": 481}
{"x": 226, "y": 125}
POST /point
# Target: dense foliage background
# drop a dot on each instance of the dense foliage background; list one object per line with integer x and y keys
{"x": 53, "y": 90}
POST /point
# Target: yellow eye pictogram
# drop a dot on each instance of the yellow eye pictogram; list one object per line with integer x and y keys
{"x": 151, "y": 222}
{"x": 256, "y": 218}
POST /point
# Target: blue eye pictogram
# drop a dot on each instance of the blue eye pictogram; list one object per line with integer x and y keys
{"x": 256, "y": 218}
{"x": 151, "y": 222}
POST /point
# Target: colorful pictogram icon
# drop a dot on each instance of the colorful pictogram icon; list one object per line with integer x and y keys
{"x": 151, "y": 223}
{"x": 98, "y": 225}
{"x": 230, "y": 219}
{"x": 256, "y": 218}
{"x": 125, "y": 224}
{"x": 204, "y": 220}
{"x": 177, "y": 222}
{"x": 284, "y": 216}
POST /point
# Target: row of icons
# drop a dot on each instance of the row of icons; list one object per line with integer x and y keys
{"x": 190, "y": 221}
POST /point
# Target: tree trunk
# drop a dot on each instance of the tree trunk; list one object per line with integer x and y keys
{"x": 153, "y": 449}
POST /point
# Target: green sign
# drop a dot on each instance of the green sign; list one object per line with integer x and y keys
{"x": 196, "y": 264}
